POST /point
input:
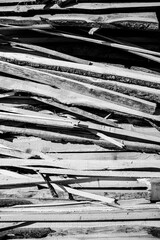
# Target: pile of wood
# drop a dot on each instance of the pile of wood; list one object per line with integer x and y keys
{"x": 80, "y": 119}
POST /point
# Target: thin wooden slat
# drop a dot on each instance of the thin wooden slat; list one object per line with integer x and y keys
{"x": 44, "y": 205}
{"x": 85, "y": 6}
{"x": 136, "y": 174}
{"x": 109, "y": 201}
{"x": 32, "y": 182}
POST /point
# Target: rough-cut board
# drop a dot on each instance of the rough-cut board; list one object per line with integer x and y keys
{"x": 81, "y": 88}
{"x": 108, "y": 72}
{"x": 85, "y": 6}
{"x": 148, "y": 20}
{"x": 147, "y": 93}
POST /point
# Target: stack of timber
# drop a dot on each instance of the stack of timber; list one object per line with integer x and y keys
{"x": 80, "y": 119}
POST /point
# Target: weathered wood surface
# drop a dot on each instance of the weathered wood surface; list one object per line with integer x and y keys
{"x": 85, "y": 164}
{"x": 85, "y": 6}
{"x": 83, "y": 214}
{"x": 58, "y": 137}
{"x": 108, "y": 72}
{"x": 82, "y": 88}
{"x": 148, "y": 20}
{"x": 143, "y": 92}
{"x": 67, "y": 97}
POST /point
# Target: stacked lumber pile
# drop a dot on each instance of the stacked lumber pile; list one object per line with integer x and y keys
{"x": 80, "y": 119}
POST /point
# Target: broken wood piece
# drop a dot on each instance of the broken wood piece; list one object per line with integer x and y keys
{"x": 107, "y": 200}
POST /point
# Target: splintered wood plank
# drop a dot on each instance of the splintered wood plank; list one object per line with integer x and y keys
{"x": 148, "y": 20}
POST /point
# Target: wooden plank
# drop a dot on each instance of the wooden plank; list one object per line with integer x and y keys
{"x": 147, "y": 93}
{"x": 59, "y": 137}
{"x": 136, "y": 174}
{"x": 101, "y": 156}
{"x": 108, "y": 72}
{"x": 32, "y": 182}
{"x": 50, "y": 53}
{"x": 85, "y": 6}
{"x": 84, "y": 89}
{"x": 82, "y": 215}
{"x": 44, "y": 205}
{"x": 107, "y": 200}
{"x": 68, "y": 97}
{"x": 84, "y": 164}
{"x": 85, "y": 225}
{"x": 66, "y": 17}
